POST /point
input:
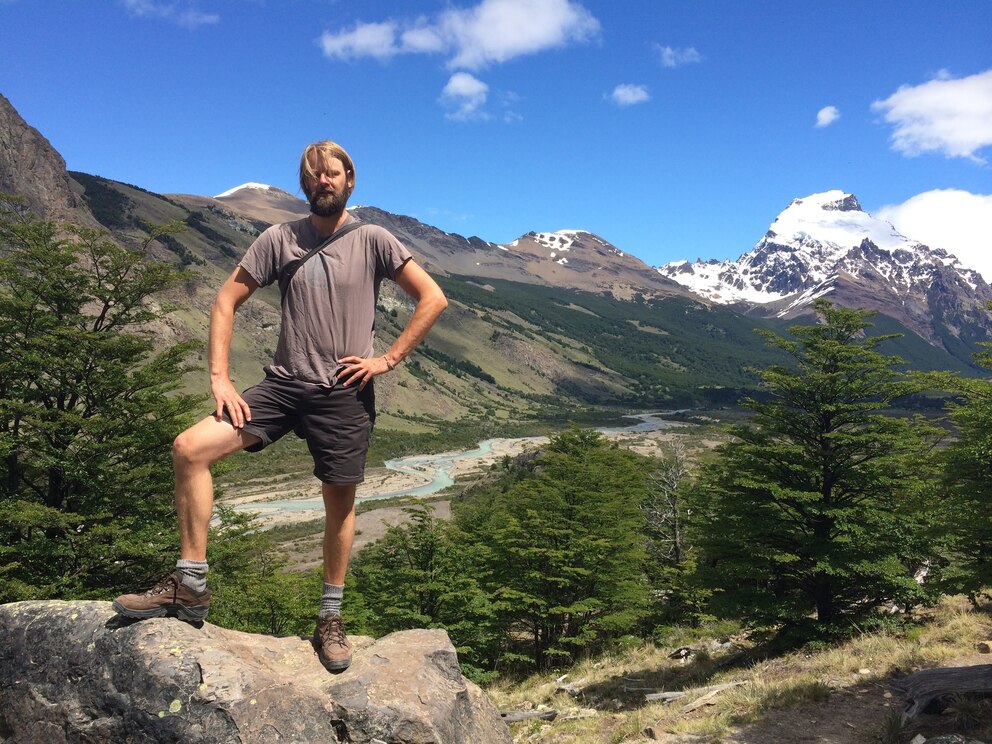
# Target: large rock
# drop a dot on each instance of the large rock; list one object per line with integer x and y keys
{"x": 76, "y": 672}
{"x": 31, "y": 168}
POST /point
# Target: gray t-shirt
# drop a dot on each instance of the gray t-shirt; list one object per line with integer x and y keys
{"x": 328, "y": 311}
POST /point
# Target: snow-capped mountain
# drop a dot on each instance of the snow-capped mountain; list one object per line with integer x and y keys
{"x": 258, "y": 201}
{"x": 826, "y": 245}
{"x": 249, "y": 185}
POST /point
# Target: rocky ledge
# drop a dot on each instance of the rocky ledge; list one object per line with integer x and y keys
{"x": 76, "y": 672}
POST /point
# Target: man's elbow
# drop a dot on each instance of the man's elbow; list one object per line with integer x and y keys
{"x": 222, "y": 307}
{"x": 434, "y": 301}
{"x": 441, "y": 302}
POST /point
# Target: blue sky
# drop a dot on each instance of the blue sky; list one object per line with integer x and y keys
{"x": 672, "y": 129}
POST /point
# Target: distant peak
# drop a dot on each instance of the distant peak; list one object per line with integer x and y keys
{"x": 250, "y": 185}
{"x": 829, "y": 201}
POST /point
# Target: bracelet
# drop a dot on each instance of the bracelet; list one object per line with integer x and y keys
{"x": 389, "y": 364}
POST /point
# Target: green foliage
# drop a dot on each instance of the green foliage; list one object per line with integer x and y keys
{"x": 111, "y": 208}
{"x": 186, "y": 256}
{"x": 421, "y": 576}
{"x": 562, "y": 546}
{"x": 251, "y": 588}
{"x": 685, "y": 351}
{"x": 198, "y": 222}
{"x": 671, "y": 558}
{"x": 457, "y": 367}
{"x": 968, "y": 478}
{"x": 87, "y": 412}
{"x": 541, "y": 566}
{"x": 818, "y": 506}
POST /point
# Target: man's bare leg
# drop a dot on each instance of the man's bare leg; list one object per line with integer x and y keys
{"x": 184, "y": 593}
{"x": 193, "y": 452}
{"x": 339, "y": 530}
{"x": 329, "y": 637}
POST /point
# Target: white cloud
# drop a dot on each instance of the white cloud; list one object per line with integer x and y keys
{"x": 491, "y": 32}
{"x": 182, "y": 13}
{"x": 364, "y": 40}
{"x": 464, "y": 96}
{"x": 672, "y": 58}
{"x": 499, "y": 30}
{"x": 957, "y": 221}
{"x": 827, "y": 116}
{"x": 628, "y": 95}
{"x": 943, "y": 115}
{"x": 422, "y": 38}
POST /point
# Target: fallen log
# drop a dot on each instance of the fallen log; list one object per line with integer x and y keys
{"x": 665, "y": 697}
{"x": 707, "y": 693}
{"x": 572, "y": 688}
{"x": 514, "y": 716}
{"x": 922, "y": 688}
{"x": 707, "y": 698}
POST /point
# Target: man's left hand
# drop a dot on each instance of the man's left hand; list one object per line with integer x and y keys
{"x": 361, "y": 370}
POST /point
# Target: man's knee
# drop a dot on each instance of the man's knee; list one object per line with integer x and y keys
{"x": 186, "y": 451}
{"x": 207, "y": 442}
{"x": 197, "y": 447}
{"x": 339, "y": 500}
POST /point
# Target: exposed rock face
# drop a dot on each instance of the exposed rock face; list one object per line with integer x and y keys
{"x": 31, "y": 167}
{"x": 825, "y": 245}
{"x": 75, "y": 671}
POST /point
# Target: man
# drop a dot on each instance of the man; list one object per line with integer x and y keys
{"x": 320, "y": 384}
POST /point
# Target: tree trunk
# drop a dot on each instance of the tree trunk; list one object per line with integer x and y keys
{"x": 924, "y": 687}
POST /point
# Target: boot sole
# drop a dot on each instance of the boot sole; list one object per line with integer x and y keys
{"x": 189, "y": 614}
{"x": 332, "y": 666}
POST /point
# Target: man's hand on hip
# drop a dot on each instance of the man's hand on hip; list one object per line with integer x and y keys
{"x": 227, "y": 397}
{"x": 361, "y": 370}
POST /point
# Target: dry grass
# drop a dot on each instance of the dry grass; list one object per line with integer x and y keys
{"x": 607, "y": 703}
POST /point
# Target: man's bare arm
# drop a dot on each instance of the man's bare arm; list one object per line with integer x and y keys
{"x": 238, "y": 288}
{"x": 431, "y": 302}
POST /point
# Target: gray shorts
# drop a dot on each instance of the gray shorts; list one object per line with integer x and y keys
{"x": 335, "y": 422}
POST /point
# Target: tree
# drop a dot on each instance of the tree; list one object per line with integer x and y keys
{"x": 421, "y": 575}
{"x": 564, "y": 548}
{"x": 252, "y": 589}
{"x": 968, "y": 477}
{"x": 818, "y": 505}
{"x": 671, "y": 558}
{"x": 88, "y": 409}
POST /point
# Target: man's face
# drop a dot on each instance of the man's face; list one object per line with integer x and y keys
{"x": 330, "y": 188}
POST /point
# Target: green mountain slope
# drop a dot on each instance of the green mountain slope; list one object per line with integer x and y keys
{"x": 504, "y": 350}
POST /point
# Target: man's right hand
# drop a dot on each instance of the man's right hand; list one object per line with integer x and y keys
{"x": 227, "y": 397}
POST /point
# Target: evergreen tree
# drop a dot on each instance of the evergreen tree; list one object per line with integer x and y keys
{"x": 565, "y": 548}
{"x": 818, "y": 506}
{"x": 87, "y": 412}
{"x": 968, "y": 476}
{"x": 671, "y": 557}
{"x": 252, "y": 589}
{"x": 422, "y": 575}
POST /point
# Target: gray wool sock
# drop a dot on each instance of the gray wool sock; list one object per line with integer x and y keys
{"x": 330, "y": 600}
{"x": 194, "y": 574}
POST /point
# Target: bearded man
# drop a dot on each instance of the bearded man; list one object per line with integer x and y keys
{"x": 319, "y": 385}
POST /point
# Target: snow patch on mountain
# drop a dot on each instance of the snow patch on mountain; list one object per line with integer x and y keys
{"x": 249, "y": 185}
{"x": 805, "y": 249}
{"x": 561, "y": 242}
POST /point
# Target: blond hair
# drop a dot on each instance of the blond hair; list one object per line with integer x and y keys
{"x": 323, "y": 151}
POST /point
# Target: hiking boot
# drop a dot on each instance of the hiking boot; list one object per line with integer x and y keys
{"x": 170, "y": 596}
{"x": 331, "y": 643}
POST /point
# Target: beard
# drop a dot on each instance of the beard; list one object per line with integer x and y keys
{"x": 328, "y": 203}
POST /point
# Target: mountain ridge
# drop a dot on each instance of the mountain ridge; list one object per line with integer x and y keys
{"x": 551, "y": 322}
{"x": 825, "y": 245}
{"x": 564, "y": 258}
